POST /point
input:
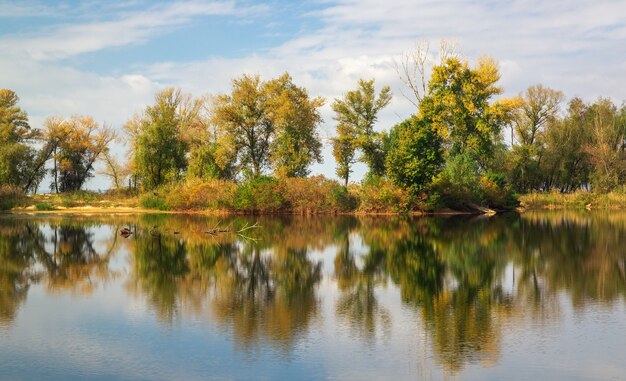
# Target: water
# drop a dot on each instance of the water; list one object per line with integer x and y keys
{"x": 537, "y": 296}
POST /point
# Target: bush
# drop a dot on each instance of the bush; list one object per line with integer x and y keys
{"x": 44, "y": 206}
{"x": 344, "y": 199}
{"x": 380, "y": 195}
{"x": 10, "y": 196}
{"x": 153, "y": 201}
{"x": 197, "y": 194}
{"x": 461, "y": 184}
{"x": 263, "y": 193}
{"x": 317, "y": 194}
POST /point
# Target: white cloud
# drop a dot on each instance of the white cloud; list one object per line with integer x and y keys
{"x": 573, "y": 46}
{"x": 72, "y": 39}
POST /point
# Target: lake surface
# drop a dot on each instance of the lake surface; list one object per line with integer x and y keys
{"x": 535, "y": 296}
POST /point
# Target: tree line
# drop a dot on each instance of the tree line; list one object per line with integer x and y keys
{"x": 464, "y": 144}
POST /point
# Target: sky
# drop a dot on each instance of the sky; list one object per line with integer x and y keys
{"x": 107, "y": 59}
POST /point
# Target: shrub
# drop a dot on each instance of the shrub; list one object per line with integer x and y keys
{"x": 461, "y": 184}
{"x": 153, "y": 201}
{"x": 316, "y": 194}
{"x": 44, "y": 206}
{"x": 344, "y": 199}
{"x": 263, "y": 193}
{"x": 380, "y": 195}
{"x": 10, "y": 196}
{"x": 197, "y": 194}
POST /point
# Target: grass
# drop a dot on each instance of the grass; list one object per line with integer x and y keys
{"x": 575, "y": 200}
{"x": 44, "y": 206}
{"x": 10, "y": 197}
{"x": 80, "y": 199}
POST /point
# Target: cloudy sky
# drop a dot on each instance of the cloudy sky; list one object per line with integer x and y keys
{"x": 107, "y": 59}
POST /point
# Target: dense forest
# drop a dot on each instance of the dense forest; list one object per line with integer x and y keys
{"x": 251, "y": 148}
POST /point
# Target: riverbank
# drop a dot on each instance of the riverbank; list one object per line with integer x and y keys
{"x": 575, "y": 200}
{"x": 349, "y": 202}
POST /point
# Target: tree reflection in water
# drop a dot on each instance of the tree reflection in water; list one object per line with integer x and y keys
{"x": 465, "y": 278}
{"x": 59, "y": 252}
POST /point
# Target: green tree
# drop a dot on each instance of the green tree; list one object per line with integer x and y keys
{"x": 242, "y": 116}
{"x": 565, "y": 165}
{"x": 159, "y": 148}
{"x": 270, "y": 125}
{"x": 18, "y": 159}
{"x": 296, "y": 117}
{"x": 538, "y": 107}
{"x": 415, "y": 154}
{"x": 356, "y": 115}
{"x": 344, "y": 151}
{"x": 211, "y": 154}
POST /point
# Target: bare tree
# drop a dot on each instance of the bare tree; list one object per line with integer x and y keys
{"x": 415, "y": 65}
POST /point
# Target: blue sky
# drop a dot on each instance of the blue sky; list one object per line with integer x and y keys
{"x": 107, "y": 59}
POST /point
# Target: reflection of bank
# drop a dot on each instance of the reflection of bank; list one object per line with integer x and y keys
{"x": 261, "y": 289}
{"x": 61, "y": 255}
{"x": 466, "y": 279}
{"x": 358, "y": 305}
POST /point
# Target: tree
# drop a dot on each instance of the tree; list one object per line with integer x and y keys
{"x": 114, "y": 170}
{"x": 270, "y": 125}
{"x": 344, "y": 151}
{"x": 538, "y": 107}
{"x": 75, "y": 145}
{"x": 606, "y": 146}
{"x": 242, "y": 116}
{"x": 356, "y": 114}
{"x": 413, "y": 68}
{"x": 296, "y": 117}
{"x": 564, "y": 164}
{"x": 18, "y": 159}
{"x": 159, "y": 148}
{"x": 415, "y": 154}
{"x": 459, "y": 106}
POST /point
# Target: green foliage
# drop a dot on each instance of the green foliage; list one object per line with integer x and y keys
{"x": 261, "y": 193}
{"x": 18, "y": 164}
{"x": 153, "y": 201}
{"x": 343, "y": 199}
{"x": 356, "y": 114}
{"x": 203, "y": 164}
{"x": 159, "y": 148}
{"x": 45, "y": 206}
{"x": 269, "y": 124}
{"x": 344, "y": 152}
{"x": 461, "y": 184}
{"x": 297, "y": 143}
{"x": 415, "y": 155}
{"x": 582, "y": 149}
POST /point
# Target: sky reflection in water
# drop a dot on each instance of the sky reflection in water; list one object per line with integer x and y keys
{"x": 540, "y": 295}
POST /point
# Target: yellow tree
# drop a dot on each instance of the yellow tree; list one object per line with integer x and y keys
{"x": 75, "y": 144}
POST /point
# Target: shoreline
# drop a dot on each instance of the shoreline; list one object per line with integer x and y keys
{"x": 96, "y": 210}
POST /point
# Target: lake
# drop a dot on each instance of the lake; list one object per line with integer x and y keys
{"x": 540, "y": 295}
